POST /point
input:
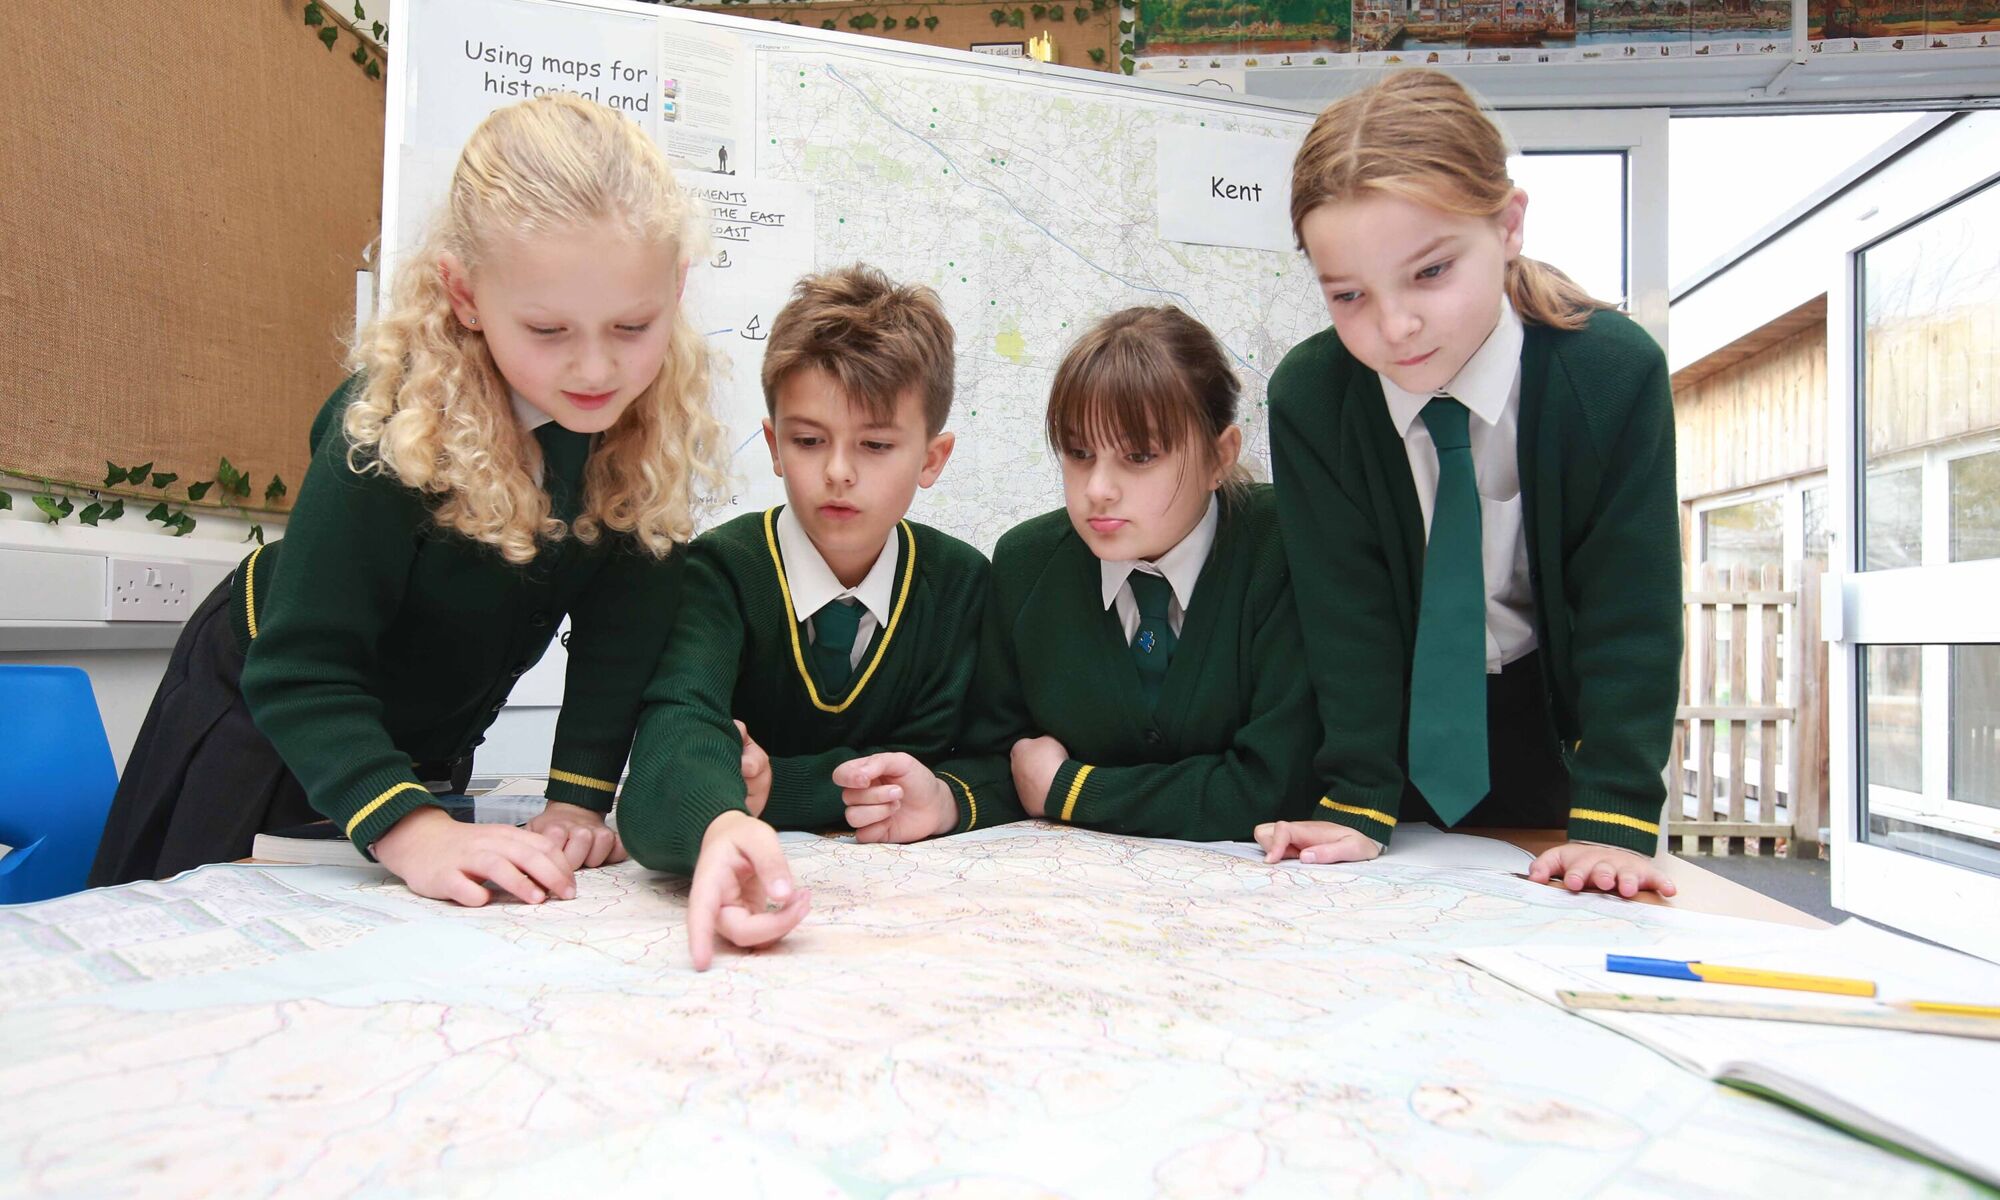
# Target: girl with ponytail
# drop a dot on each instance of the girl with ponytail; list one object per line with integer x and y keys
{"x": 1475, "y": 482}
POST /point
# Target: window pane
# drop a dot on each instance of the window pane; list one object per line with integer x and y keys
{"x": 1975, "y": 507}
{"x": 1892, "y": 692}
{"x": 1744, "y": 535}
{"x": 1576, "y": 217}
{"x": 1930, "y": 298}
{"x": 1962, "y": 828}
{"x": 1975, "y": 725}
{"x": 1893, "y": 512}
{"x": 1814, "y": 506}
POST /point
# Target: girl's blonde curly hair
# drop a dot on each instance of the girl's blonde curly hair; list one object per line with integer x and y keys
{"x": 435, "y": 413}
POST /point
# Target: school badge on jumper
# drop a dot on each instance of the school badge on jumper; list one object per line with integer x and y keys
{"x": 1145, "y": 642}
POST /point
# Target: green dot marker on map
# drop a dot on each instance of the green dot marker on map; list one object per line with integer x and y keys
{"x": 961, "y": 279}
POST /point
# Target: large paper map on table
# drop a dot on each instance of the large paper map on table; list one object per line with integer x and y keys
{"x": 1022, "y": 1011}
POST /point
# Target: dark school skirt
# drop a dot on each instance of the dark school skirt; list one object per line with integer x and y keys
{"x": 1530, "y": 783}
{"x": 201, "y": 782}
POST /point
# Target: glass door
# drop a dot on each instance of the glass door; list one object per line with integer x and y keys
{"x": 1914, "y": 599}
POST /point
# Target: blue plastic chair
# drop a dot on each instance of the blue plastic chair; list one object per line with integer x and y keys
{"x": 56, "y": 781}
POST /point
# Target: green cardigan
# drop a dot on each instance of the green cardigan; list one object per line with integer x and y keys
{"x": 374, "y": 639}
{"x": 1596, "y": 448}
{"x": 738, "y": 653}
{"x": 1230, "y": 741}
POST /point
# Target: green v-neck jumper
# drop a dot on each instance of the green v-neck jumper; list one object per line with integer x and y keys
{"x": 738, "y": 652}
{"x": 1230, "y": 741}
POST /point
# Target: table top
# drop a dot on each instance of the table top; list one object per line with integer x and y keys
{"x": 1701, "y": 890}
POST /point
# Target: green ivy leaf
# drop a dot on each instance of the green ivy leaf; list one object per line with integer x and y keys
{"x": 358, "y": 14}
{"x": 163, "y": 478}
{"x": 197, "y": 490}
{"x": 1126, "y": 65}
{"x": 256, "y": 535}
{"x": 6, "y": 501}
{"x": 275, "y": 490}
{"x": 90, "y": 513}
{"x": 114, "y": 510}
{"x": 313, "y": 15}
{"x": 372, "y": 70}
{"x": 930, "y": 22}
{"x": 113, "y": 473}
{"x": 329, "y": 35}
{"x": 360, "y": 55}
{"x": 231, "y": 480}
{"x": 54, "y": 509}
{"x": 182, "y": 524}
{"x": 138, "y": 473}
{"x": 378, "y": 30}
{"x": 158, "y": 512}
{"x": 1124, "y": 26}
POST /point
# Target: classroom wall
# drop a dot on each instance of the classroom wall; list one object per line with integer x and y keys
{"x": 962, "y": 25}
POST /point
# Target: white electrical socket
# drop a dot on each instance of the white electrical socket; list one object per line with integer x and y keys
{"x": 136, "y": 589}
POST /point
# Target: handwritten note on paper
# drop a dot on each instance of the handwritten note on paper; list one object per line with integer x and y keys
{"x": 760, "y": 242}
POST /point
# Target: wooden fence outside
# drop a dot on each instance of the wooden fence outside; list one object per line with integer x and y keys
{"x": 1740, "y": 691}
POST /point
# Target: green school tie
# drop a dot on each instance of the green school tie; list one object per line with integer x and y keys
{"x": 1153, "y": 643}
{"x": 1448, "y": 672}
{"x": 563, "y": 456}
{"x": 834, "y": 627}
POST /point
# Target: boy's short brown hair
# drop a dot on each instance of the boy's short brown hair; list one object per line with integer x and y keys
{"x": 874, "y": 337}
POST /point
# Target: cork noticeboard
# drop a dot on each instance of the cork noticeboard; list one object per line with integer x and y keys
{"x": 189, "y": 195}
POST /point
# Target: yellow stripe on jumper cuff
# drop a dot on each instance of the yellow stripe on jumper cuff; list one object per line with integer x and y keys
{"x": 971, "y": 801}
{"x": 250, "y": 592}
{"x": 1075, "y": 790}
{"x": 602, "y": 785}
{"x": 1612, "y": 818}
{"x": 1373, "y": 814}
{"x": 368, "y": 809}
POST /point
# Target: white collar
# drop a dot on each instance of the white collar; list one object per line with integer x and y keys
{"x": 1180, "y": 566}
{"x": 530, "y": 417}
{"x": 813, "y": 583}
{"x": 1484, "y": 384}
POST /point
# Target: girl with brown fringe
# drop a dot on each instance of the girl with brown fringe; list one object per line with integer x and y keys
{"x": 1475, "y": 477}
{"x": 524, "y": 439}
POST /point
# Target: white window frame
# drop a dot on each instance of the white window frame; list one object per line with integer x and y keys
{"x": 1934, "y": 605}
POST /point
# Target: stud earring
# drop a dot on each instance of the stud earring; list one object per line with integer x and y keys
{"x": 472, "y": 322}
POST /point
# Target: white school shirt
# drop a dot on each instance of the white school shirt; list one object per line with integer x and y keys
{"x": 1489, "y": 385}
{"x": 529, "y": 418}
{"x": 814, "y": 585}
{"x": 1180, "y": 567}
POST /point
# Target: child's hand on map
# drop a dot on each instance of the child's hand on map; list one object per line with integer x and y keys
{"x": 742, "y": 888}
{"x": 580, "y": 833}
{"x": 1314, "y": 842}
{"x": 1036, "y": 762}
{"x": 452, "y": 860}
{"x": 756, "y": 773}
{"x": 892, "y": 797}
{"x": 1604, "y": 868}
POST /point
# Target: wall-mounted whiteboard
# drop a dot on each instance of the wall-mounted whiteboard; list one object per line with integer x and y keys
{"x": 1028, "y": 196}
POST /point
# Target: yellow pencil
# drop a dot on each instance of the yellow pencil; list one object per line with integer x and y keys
{"x": 1945, "y": 1006}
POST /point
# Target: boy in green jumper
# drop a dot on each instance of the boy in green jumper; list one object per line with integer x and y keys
{"x": 814, "y": 633}
{"x": 1475, "y": 475}
{"x": 1138, "y": 664}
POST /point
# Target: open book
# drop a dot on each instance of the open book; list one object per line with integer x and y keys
{"x": 1921, "y": 1092}
{"x": 504, "y": 801}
